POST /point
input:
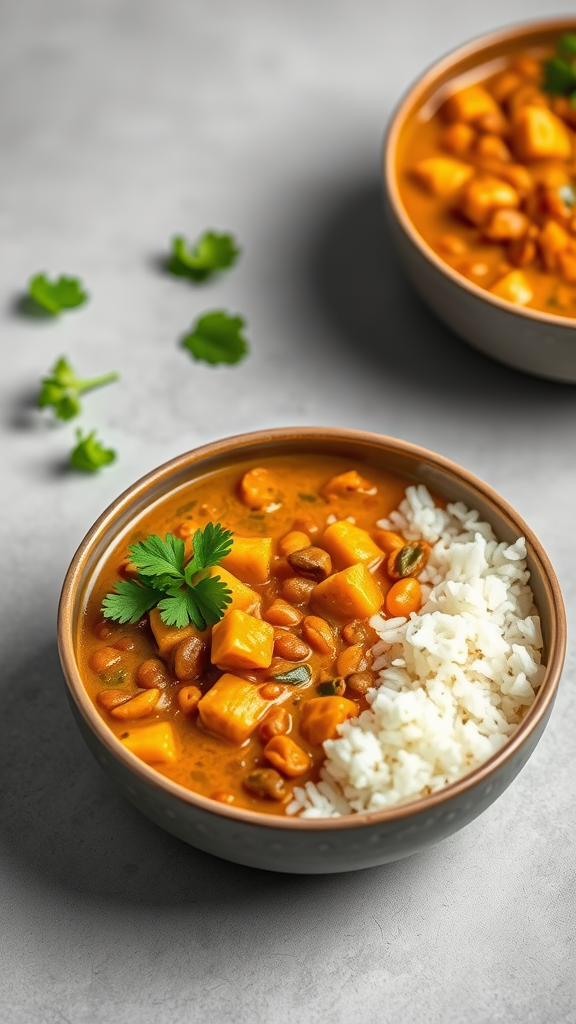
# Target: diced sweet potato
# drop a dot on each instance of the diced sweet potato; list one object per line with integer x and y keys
{"x": 348, "y": 544}
{"x": 482, "y": 195}
{"x": 505, "y": 225}
{"x": 153, "y": 743}
{"x": 249, "y": 559}
{"x": 321, "y": 717}
{"x": 457, "y": 138}
{"x": 537, "y": 134}
{"x": 513, "y": 287}
{"x": 240, "y": 641}
{"x": 345, "y": 484}
{"x": 243, "y": 597}
{"x": 492, "y": 147}
{"x": 233, "y": 707}
{"x": 442, "y": 175}
{"x": 469, "y": 104}
{"x": 567, "y": 265}
{"x": 552, "y": 240}
{"x": 350, "y": 594}
{"x": 168, "y": 637}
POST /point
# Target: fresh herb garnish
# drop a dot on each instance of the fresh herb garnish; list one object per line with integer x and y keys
{"x": 297, "y": 676}
{"x": 560, "y": 70}
{"x": 62, "y": 389}
{"x": 54, "y": 296}
{"x": 183, "y": 592}
{"x": 209, "y": 254}
{"x": 217, "y": 338}
{"x": 89, "y": 455}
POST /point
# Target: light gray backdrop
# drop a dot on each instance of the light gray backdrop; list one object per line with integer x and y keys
{"x": 123, "y": 122}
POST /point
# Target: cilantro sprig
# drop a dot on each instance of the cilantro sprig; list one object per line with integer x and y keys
{"x": 217, "y": 337}
{"x": 89, "y": 454}
{"x": 54, "y": 296}
{"x": 183, "y": 592}
{"x": 560, "y": 70}
{"x": 62, "y": 389}
{"x": 211, "y": 253}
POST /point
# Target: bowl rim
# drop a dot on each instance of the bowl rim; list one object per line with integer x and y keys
{"x": 305, "y": 435}
{"x": 407, "y": 102}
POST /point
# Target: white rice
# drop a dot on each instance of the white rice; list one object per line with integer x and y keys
{"x": 453, "y": 680}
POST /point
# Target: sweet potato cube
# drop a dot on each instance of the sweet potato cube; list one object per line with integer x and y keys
{"x": 233, "y": 707}
{"x": 513, "y": 287}
{"x": 537, "y": 134}
{"x": 457, "y": 138}
{"x": 153, "y": 743}
{"x": 567, "y": 266}
{"x": 442, "y": 175}
{"x": 470, "y": 104}
{"x": 483, "y": 195}
{"x": 241, "y": 641}
{"x": 350, "y": 594}
{"x": 349, "y": 544}
{"x": 249, "y": 559}
{"x": 321, "y": 717}
{"x": 553, "y": 239}
{"x": 168, "y": 637}
{"x": 243, "y": 597}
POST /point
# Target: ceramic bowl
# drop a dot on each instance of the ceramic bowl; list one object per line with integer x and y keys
{"x": 540, "y": 343}
{"x": 295, "y": 844}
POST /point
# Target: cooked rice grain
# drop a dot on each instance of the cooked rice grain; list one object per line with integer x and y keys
{"x": 454, "y": 680}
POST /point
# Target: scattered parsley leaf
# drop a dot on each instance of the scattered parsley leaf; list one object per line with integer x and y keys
{"x": 182, "y": 593}
{"x": 89, "y": 455}
{"x": 54, "y": 296}
{"x": 62, "y": 389}
{"x": 559, "y": 72}
{"x": 217, "y": 338}
{"x": 210, "y": 254}
{"x": 129, "y": 601}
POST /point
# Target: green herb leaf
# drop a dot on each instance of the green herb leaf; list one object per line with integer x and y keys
{"x": 298, "y": 676}
{"x": 567, "y": 44}
{"x": 182, "y": 593}
{"x": 559, "y": 72}
{"x": 210, "y": 254}
{"x": 129, "y": 601}
{"x": 61, "y": 390}
{"x": 89, "y": 455}
{"x": 332, "y": 688}
{"x": 54, "y": 296}
{"x": 217, "y": 338}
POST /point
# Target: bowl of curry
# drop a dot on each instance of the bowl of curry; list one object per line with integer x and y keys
{"x": 480, "y": 192}
{"x": 230, "y": 627}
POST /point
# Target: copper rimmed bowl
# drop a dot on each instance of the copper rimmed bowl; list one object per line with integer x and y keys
{"x": 296, "y": 844}
{"x": 539, "y": 343}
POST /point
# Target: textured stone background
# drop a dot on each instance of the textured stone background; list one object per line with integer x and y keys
{"x": 122, "y": 122}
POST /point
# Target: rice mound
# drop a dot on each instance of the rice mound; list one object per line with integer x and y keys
{"x": 453, "y": 680}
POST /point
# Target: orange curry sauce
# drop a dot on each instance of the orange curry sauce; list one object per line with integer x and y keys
{"x": 486, "y": 172}
{"x": 299, "y": 498}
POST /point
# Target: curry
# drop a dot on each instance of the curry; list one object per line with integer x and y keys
{"x": 487, "y": 175}
{"x": 238, "y": 711}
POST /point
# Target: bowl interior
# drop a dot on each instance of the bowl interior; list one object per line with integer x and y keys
{"x": 441, "y": 476}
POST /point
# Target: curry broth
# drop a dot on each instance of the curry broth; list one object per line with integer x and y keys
{"x": 205, "y": 763}
{"x": 438, "y": 217}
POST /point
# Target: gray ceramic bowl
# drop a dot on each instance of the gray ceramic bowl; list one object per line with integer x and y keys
{"x": 310, "y": 845}
{"x": 539, "y": 343}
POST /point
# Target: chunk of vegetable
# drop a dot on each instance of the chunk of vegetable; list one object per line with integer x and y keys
{"x": 259, "y": 489}
{"x": 249, "y": 559}
{"x": 537, "y": 134}
{"x": 483, "y": 195}
{"x": 469, "y": 104}
{"x": 350, "y": 594}
{"x": 243, "y": 598}
{"x": 553, "y": 239}
{"x": 233, "y": 707}
{"x": 321, "y": 717}
{"x": 442, "y": 175}
{"x": 168, "y": 637}
{"x": 286, "y": 756}
{"x": 345, "y": 484}
{"x": 349, "y": 544}
{"x": 240, "y": 641}
{"x": 513, "y": 287}
{"x": 153, "y": 743}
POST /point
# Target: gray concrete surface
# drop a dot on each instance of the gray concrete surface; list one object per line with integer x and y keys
{"x": 123, "y": 122}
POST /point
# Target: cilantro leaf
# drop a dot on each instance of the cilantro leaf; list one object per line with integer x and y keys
{"x": 559, "y": 72}
{"x": 182, "y": 593}
{"x": 129, "y": 601}
{"x": 216, "y": 338}
{"x": 210, "y": 253}
{"x": 89, "y": 455}
{"x": 160, "y": 560}
{"x": 61, "y": 390}
{"x": 54, "y": 296}
{"x": 209, "y": 546}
